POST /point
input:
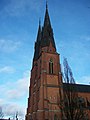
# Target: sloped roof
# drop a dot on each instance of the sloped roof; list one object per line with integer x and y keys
{"x": 77, "y": 87}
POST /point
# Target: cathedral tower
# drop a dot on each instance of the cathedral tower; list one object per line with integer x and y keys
{"x": 46, "y": 79}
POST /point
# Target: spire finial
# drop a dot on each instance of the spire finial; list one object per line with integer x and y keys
{"x": 39, "y": 21}
{"x": 46, "y": 4}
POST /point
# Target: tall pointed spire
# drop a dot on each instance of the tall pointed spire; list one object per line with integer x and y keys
{"x": 45, "y": 35}
{"x": 47, "y": 31}
{"x": 47, "y": 18}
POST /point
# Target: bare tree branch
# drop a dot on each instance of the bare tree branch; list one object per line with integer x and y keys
{"x": 1, "y": 113}
{"x": 72, "y": 107}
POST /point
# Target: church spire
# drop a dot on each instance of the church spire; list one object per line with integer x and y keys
{"x": 47, "y": 31}
{"x": 47, "y": 18}
{"x": 45, "y": 36}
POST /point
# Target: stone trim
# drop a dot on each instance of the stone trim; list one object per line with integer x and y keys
{"x": 51, "y": 85}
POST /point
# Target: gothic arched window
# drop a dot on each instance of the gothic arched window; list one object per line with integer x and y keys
{"x": 55, "y": 117}
{"x": 50, "y": 66}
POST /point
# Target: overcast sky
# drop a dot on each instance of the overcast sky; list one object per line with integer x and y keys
{"x": 19, "y": 19}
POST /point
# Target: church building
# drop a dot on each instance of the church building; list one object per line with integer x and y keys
{"x": 46, "y": 84}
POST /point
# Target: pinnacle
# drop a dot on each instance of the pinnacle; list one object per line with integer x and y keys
{"x": 39, "y": 31}
{"x": 47, "y": 18}
{"x": 46, "y": 4}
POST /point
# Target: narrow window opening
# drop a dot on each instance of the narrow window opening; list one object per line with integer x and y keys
{"x": 50, "y": 67}
{"x": 55, "y": 117}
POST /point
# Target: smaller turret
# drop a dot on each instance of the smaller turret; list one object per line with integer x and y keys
{"x": 37, "y": 43}
{"x": 39, "y": 32}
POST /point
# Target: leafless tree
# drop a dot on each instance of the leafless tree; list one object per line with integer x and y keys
{"x": 71, "y": 106}
{"x": 19, "y": 115}
{"x": 1, "y": 113}
{"x": 16, "y": 115}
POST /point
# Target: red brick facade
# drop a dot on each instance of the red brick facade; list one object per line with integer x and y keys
{"x": 44, "y": 86}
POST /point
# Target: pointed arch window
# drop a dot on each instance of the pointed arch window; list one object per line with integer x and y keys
{"x": 55, "y": 117}
{"x": 51, "y": 66}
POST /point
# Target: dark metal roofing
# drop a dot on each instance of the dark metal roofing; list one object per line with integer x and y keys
{"x": 77, "y": 87}
{"x": 47, "y": 31}
{"x": 44, "y": 36}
